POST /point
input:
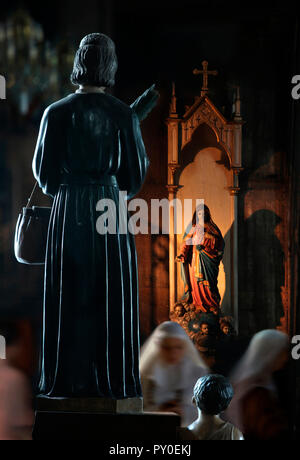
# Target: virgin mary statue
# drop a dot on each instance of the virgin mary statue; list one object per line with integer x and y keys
{"x": 201, "y": 253}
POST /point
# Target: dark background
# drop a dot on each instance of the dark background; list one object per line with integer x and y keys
{"x": 253, "y": 45}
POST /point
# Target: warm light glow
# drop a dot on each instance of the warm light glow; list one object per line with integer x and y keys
{"x": 205, "y": 178}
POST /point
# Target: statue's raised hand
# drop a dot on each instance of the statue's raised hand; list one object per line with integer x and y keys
{"x": 144, "y": 104}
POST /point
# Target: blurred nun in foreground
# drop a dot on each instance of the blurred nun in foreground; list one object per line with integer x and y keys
{"x": 255, "y": 408}
{"x": 170, "y": 366}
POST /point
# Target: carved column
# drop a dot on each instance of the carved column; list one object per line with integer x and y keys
{"x": 234, "y": 191}
{"x": 173, "y": 165}
{"x": 172, "y": 189}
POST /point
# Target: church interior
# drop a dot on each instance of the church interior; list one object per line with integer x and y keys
{"x": 225, "y": 130}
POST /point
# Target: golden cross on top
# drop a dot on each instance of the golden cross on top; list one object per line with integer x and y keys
{"x": 205, "y": 73}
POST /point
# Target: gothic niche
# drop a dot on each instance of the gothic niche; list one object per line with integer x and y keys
{"x": 204, "y": 162}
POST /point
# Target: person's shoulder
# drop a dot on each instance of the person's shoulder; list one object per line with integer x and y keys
{"x": 185, "y": 434}
{"x": 118, "y": 104}
{"x": 120, "y": 111}
{"x": 226, "y": 432}
{"x": 237, "y": 435}
{"x": 58, "y": 106}
{"x": 73, "y": 97}
{"x": 234, "y": 434}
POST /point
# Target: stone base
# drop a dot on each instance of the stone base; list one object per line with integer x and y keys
{"x": 89, "y": 405}
{"x": 69, "y": 426}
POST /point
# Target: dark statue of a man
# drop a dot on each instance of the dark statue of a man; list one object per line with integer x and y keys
{"x": 89, "y": 147}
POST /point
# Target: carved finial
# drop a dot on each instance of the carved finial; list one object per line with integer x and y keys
{"x": 205, "y": 72}
{"x": 237, "y": 114}
{"x": 173, "y": 105}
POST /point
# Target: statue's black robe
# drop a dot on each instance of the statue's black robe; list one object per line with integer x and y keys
{"x": 89, "y": 147}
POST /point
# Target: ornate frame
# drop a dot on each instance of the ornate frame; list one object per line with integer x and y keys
{"x": 229, "y": 137}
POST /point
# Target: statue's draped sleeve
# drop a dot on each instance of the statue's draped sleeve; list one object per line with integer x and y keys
{"x": 213, "y": 244}
{"x": 134, "y": 160}
{"x": 45, "y": 163}
{"x": 186, "y": 249}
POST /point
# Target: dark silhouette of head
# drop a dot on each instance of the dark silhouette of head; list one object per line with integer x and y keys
{"x": 213, "y": 394}
{"x": 95, "y": 62}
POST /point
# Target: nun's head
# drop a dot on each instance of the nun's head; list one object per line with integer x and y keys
{"x": 267, "y": 353}
{"x": 171, "y": 341}
{"x": 169, "y": 344}
{"x": 172, "y": 350}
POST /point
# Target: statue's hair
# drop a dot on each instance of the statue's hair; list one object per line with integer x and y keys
{"x": 95, "y": 62}
{"x": 213, "y": 394}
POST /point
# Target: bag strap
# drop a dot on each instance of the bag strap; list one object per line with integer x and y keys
{"x": 31, "y": 195}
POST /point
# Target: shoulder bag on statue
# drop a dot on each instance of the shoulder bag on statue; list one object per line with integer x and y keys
{"x": 31, "y": 233}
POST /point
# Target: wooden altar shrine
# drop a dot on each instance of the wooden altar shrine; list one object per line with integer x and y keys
{"x": 204, "y": 162}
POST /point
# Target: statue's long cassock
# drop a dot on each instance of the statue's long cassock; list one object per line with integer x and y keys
{"x": 89, "y": 147}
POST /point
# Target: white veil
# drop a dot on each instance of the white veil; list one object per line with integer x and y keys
{"x": 150, "y": 351}
{"x": 255, "y": 369}
{"x": 260, "y": 357}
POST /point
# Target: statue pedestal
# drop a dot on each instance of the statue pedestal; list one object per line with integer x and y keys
{"x": 101, "y": 419}
{"x": 90, "y": 405}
